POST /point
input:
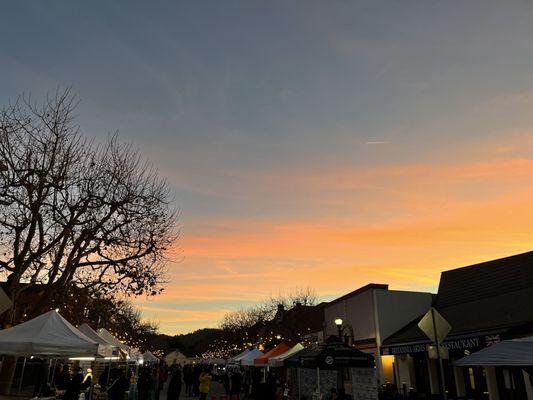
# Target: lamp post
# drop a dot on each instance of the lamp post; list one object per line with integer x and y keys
{"x": 338, "y": 322}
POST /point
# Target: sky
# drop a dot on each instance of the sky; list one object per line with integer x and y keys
{"x": 321, "y": 144}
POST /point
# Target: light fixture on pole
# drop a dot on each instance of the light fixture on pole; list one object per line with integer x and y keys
{"x": 338, "y": 322}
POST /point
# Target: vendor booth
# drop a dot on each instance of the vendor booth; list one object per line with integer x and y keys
{"x": 278, "y": 361}
{"x": 124, "y": 349}
{"x": 46, "y": 335}
{"x": 248, "y": 358}
{"x": 262, "y": 360}
{"x": 336, "y": 365}
{"x": 508, "y": 353}
{"x": 148, "y": 357}
{"x": 105, "y": 349}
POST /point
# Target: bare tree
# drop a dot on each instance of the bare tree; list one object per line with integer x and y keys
{"x": 248, "y": 317}
{"x": 302, "y": 296}
{"x": 76, "y": 213}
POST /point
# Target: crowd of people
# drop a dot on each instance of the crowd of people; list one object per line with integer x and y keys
{"x": 176, "y": 382}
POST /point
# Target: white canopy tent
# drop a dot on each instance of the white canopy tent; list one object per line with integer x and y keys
{"x": 149, "y": 357}
{"x": 516, "y": 352}
{"x": 108, "y": 337}
{"x": 277, "y": 361}
{"x": 236, "y": 358}
{"x": 136, "y": 355}
{"x": 46, "y": 335}
{"x": 105, "y": 349}
{"x": 248, "y": 358}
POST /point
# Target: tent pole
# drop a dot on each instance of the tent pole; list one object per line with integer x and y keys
{"x": 299, "y": 388}
{"x": 318, "y": 380}
{"x": 22, "y": 374}
{"x": 49, "y": 368}
{"x": 53, "y": 371}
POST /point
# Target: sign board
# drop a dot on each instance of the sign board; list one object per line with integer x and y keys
{"x": 454, "y": 344}
{"x": 434, "y": 326}
{"x": 444, "y": 353}
{"x": 5, "y": 301}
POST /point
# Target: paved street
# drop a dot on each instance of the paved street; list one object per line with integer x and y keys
{"x": 217, "y": 389}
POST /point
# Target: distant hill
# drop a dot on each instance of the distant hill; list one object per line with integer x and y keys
{"x": 190, "y": 344}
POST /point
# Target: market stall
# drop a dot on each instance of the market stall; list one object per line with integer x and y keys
{"x": 46, "y": 335}
{"x": 509, "y": 353}
{"x": 105, "y": 349}
{"x": 262, "y": 360}
{"x": 148, "y": 357}
{"x": 248, "y": 358}
{"x": 278, "y": 361}
{"x": 336, "y": 365}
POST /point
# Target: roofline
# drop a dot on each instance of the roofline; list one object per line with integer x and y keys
{"x": 477, "y": 265}
{"x": 362, "y": 289}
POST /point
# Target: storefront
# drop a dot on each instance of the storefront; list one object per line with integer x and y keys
{"x": 484, "y": 304}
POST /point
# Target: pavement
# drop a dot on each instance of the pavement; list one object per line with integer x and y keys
{"x": 217, "y": 389}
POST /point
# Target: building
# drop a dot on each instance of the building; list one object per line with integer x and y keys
{"x": 484, "y": 303}
{"x": 370, "y": 314}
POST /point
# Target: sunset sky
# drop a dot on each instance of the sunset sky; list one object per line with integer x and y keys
{"x": 322, "y": 144}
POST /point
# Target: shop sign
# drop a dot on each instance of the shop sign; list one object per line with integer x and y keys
{"x": 449, "y": 344}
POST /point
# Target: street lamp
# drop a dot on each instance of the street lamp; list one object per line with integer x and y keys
{"x": 338, "y": 322}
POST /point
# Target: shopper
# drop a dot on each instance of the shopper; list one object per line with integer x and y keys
{"x": 174, "y": 386}
{"x": 205, "y": 384}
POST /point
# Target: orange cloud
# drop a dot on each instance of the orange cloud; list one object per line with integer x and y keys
{"x": 397, "y": 224}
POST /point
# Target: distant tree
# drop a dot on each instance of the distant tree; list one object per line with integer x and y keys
{"x": 249, "y": 326}
{"x": 303, "y": 296}
{"x": 74, "y": 213}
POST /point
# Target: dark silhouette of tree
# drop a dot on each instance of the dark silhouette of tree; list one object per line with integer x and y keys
{"x": 74, "y": 213}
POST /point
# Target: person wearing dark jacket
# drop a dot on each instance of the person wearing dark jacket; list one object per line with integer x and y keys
{"x": 118, "y": 386}
{"x": 174, "y": 385}
{"x": 62, "y": 380}
{"x": 74, "y": 387}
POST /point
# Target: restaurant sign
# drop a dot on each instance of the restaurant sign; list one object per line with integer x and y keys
{"x": 464, "y": 343}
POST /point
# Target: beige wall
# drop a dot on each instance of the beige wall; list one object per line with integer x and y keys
{"x": 357, "y": 311}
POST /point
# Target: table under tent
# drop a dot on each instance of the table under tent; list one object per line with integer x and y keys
{"x": 48, "y": 336}
{"x": 318, "y": 369}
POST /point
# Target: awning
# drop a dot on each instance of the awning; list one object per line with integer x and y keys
{"x": 235, "y": 359}
{"x": 276, "y": 351}
{"x": 516, "y": 352}
{"x": 335, "y": 354}
{"x": 248, "y": 358}
{"x": 105, "y": 349}
{"x": 277, "y": 361}
{"x": 108, "y": 337}
{"x": 46, "y": 335}
{"x": 149, "y": 357}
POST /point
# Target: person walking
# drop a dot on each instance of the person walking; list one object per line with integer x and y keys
{"x": 205, "y": 384}
{"x": 74, "y": 386}
{"x": 174, "y": 385}
{"x": 119, "y": 385}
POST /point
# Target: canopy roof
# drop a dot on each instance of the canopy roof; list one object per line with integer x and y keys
{"x": 334, "y": 354}
{"x": 149, "y": 357}
{"x": 248, "y": 358}
{"x": 294, "y": 360}
{"x": 236, "y": 358}
{"x": 516, "y": 352}
{"x": 277, "y": 361}
{"x": 105, "y": 349}
{"x": 108, "y": 337}
{"x": 276, "y": 351}
{"x": 46, "y": 335}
